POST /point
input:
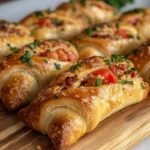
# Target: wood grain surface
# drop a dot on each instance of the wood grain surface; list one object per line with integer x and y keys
{"x": 121, "y": 131}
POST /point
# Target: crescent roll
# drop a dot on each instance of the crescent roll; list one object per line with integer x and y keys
{"x": 77, "y": 100}
{"x": 95, "y": 11}
{"x": 13, "y": 35}
{"x": 141, "y": 60}
{"x": 25, "y": 72}
{"x": 108, "y": 39}
{"x": 65, "y": 23}
{"x": 54, "y": 25}
{"x": 140, "y": 18}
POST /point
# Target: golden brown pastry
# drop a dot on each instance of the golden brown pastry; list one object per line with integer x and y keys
{"x": 65, "y": 23}
{"x": 140, "y": 18}
{"x": 95, "y": 11}
{"x": 108, "y": 39}
{"x": 25, "y": 72}
{"x": 13, "y": 36}
{"x": 141, "y": 60}
{"x": 54, "y": 25}
{"x": 78, "y": 99}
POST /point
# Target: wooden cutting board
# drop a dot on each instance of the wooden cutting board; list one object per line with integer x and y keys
{"x": 121, "y": 131}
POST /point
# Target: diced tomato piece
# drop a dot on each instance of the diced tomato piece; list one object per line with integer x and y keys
{"x": 122, "y": 33}
{"x": 133, "y": 74}
{"x": 109, "y": 76}
{"x": 43, "y": 22}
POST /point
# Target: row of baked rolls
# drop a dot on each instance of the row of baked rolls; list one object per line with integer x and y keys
{"x": 108, "y": 39}
{"x": 140, "y": 19}
{"x": 13, "y": 35}
{"x": 141, "y": 60}
{"x": 25, "y": 72}
{"x": 78, "y": 99}
{"x": 68, "y": 20}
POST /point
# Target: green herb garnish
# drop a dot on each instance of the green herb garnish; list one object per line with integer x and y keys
{"x": 142, "y": 85}
{"x": 122, "y": 111}
{"x": 55, "y": 96}
{"x": 46, "y": 61}
{"x": 76, "y": 67}
{"x": 97, "y": 28}
{"x": 98, "y": 82}
{"x": 107, "y": 61}
{"x": 58, "y": 22}
{"x": 118, "y": 4}
{"x": 117, "y": 25}
{"x": 123, "y": 81}
{"x": 134, "y": 51}
{"x": 136, "y": 10}
{"x": 34, "y": 45}
{"x": 130, "y": 36}
{"x": 57, "y": 66}
{"x": 89, "y": 31}
{"x": 39, "y": 14}
{"x": 13, "y": 49}
{"x": 26, "y": 58}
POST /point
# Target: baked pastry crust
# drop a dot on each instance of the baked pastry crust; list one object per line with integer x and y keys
{"x": 141, "y": 60}
{"x": 54, "y": 25}
{"x": 95, "y": 11}
{"x": 140, "y": 18}
{"x": 24, "y": 73}
{"x": 68, "y": 20}
{"x": 68, "y": 108}
{"x": 15, "y": 35}
{"x": 108, "y": 39}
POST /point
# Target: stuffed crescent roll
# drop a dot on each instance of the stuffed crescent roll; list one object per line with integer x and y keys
{"x": 25, "y": 72}
{"x": 68, "y": 20}
{"x": 13, "y": 35}
{"x": 78, "y": 99}
{"x": 54, "y": 25}
{"x": 140, "y": 18}
{"x": 95, "y": 11}
{"x": 141, "y": 60}
{"x": 108, "y": 39}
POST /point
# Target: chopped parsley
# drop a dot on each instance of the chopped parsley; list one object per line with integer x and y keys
{"x": 133, "y": 69}
{"x": 117, "y": 25}
{"x": 97, "y": 28}
{"x": 107, "y": 61}
{"x": 75, "y": 67}
{"x": 130, "y": 36}
{"x": 34, "y": 45}
{"x": 134, "y": 51}
{"x": 122, "y": 110}
{"x": 48, "y": 10}
{"x": 13, "y": 49}
{"x": 136, "y": 10}
{"x": 55, "y": 96}
{"x": 118, "y": 58}
{"x": 26, "y": 58}
{"x": 58, "y": 22}
{"x": 98, "y": 82}
{"x": 123, "y": 81}
{"x": 142, "y": 85}
{"x": 45, "y": 60}
{"x": 118, "y": 4}
{"x": 83, "y": 2}
{"x": 57, "y": 66}
{"x": 138, "y": 37}
{"x": 74, "y": 9}
{"x": 39, "y": 14}
{"x": 89, "y": 31}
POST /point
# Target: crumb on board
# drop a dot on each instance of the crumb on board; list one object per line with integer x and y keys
{"x": 38, "y": 147}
